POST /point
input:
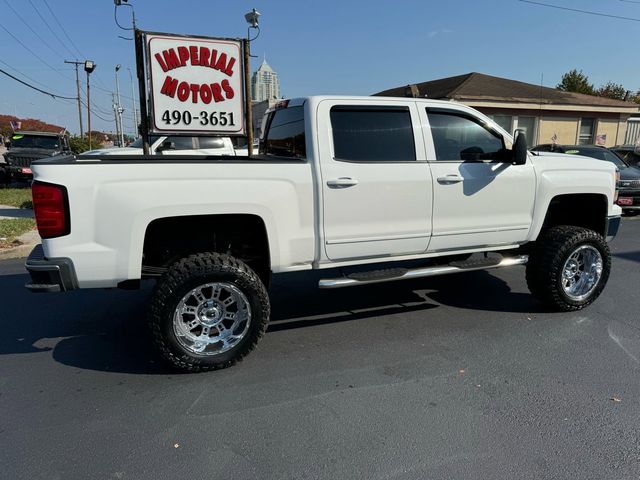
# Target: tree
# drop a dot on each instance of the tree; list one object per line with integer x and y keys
{"x": 576, "y": 81}
{"x": 612, "y": 90}
{"x": 635, "y": 97}
{"x": 81, "y": 144}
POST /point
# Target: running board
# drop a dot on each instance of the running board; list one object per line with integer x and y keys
{"x": 393, "y": 274}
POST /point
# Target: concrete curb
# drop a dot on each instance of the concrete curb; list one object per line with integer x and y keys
{"x": 27, "y": 240}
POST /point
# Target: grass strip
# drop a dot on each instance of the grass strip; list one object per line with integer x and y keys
{"x": 11, "y": 228}
{"x": 16, "y": 197}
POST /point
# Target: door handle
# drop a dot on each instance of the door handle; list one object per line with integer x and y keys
{"x": 450, "y": 179}
{"x": 342, "y": 182}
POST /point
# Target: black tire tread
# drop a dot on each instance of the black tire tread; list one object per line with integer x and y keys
{"x": 544, "y": 265}
{"x": 204, "y": 265}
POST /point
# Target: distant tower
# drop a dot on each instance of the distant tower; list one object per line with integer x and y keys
{"x": 264, "y": 83}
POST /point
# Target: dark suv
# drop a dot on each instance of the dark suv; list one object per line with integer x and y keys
{"x": 629, "y": 184}
{"x": 25, "y": 147}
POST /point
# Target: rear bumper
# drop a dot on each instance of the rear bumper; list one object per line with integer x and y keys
{"x": 50, "y": 274}
{"x": 611, "y": 227}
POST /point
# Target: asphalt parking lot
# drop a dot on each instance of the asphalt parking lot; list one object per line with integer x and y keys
{"x": 444, "y": 378}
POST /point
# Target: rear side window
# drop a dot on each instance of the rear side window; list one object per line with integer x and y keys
{"x": 372, "y": 134}
{"x": 457, "y": 137}
{"x": 285, "y": 133}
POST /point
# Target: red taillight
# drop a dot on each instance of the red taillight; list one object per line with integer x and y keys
{"x": 50, "y": 209}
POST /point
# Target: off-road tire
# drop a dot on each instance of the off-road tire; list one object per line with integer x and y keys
{"x": 189, "y": 273}
{"x": 546, "y": 261}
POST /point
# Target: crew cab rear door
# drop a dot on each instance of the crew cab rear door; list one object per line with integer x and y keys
{"x": 376, "y": 184}
{"x": 479, "y": 199}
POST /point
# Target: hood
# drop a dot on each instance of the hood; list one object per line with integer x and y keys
{"x": 31, "y": 152}
{"x": 569, "y": 162}
{"x": 630, "y": 173}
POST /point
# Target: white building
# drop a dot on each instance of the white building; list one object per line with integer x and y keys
{"x": 264, "y": 83}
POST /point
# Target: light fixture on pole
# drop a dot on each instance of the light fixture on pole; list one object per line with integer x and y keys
{"x": 120, "y": 109}
{"x": 252, "y": 19}
{"x": 89, "y": 66}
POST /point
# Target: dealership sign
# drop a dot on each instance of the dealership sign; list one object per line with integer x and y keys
{"x": 196, "y": 85}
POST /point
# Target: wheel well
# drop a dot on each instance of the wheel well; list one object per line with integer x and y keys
{"x": 243, "y": 236}
{"x": 588, "y": 210}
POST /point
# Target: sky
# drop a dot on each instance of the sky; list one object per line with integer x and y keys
{"x": 346, "y": 47}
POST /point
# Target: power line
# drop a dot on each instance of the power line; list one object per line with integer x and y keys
{"x": 24, "y": 74}
{"x": 62, "y": 28}
{"x": 598, "y": 14}
{"x": 31, "y": 51}
{"x": 50, "y": 29}
{"x": 53, "y": 95}
{"x": 30, "y": 28}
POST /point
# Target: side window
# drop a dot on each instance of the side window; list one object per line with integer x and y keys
{"x": 181, "y": 143}
{"x": 210, "y": 142}
{"x": 457, "y": 137}
{"x": 285, "y": 133}
{"x": 372, "y": 134}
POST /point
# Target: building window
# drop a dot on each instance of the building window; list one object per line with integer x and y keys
{"x": 587, "y": 127}
{"x": 505, "y": 121}
{"x": 528, "y": 125}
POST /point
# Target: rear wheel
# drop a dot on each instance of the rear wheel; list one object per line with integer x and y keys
{"x": 208, "y": 312}
{"x": 569, "y": 267}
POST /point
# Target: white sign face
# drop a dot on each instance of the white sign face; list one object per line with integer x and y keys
{"x": 196, "y": 85}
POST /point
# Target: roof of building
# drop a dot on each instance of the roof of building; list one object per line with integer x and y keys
{"x": 481, "y": 87}
{"x": 265, "y": 67}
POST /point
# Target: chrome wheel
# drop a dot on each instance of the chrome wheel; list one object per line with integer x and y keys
{"x": 582, "y": 272}
{"x": 212, "y": 318}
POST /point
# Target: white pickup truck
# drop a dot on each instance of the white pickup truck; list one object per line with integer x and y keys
{"x": 339, "y": 182}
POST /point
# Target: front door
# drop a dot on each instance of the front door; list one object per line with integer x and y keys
{"x": 479, "y": 199}
{"x": 376, "y": 185}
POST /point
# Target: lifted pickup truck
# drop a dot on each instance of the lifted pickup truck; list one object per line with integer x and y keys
{"x": 351, "y": 182}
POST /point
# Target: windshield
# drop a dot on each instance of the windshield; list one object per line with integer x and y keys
{"x": 137, "y": 143}
{"x": 35, "y": 141}
{"x": 600, "y": 154}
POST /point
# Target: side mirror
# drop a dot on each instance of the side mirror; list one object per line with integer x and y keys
{"x": 166, "y": 145}
{"x": 519, "y": 150}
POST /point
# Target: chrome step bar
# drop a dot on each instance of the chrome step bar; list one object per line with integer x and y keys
{"x": 342, "y": 282}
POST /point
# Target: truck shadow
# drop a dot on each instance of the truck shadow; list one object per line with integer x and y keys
{"x": 106, "y": 331}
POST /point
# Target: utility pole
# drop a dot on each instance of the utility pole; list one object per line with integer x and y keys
{"x": 133, "y": 102}
{"x": 78, "y": 92}
{"x": 120, "y": 109}
{"x": 115, "y": 111}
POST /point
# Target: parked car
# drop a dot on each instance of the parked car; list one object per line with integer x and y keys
{"x": 175, "y": 145}
{"x": 26, "y": 147}
{"x": 629, "y": 153}
{"x": 629, "y": 184}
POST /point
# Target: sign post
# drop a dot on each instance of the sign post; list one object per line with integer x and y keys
{"x": 142, "y": 89}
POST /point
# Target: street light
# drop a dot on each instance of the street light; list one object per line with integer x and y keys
{"x": 120, "y": 110}
{"x": 252, "y": 19}
{"x": 89, "y": 66}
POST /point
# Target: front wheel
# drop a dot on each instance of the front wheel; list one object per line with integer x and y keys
{"x": 569, "y": 267}
{"x": 208, "y": 312}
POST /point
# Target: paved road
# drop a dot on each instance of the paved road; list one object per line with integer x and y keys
{"x": 459, "y": 377}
